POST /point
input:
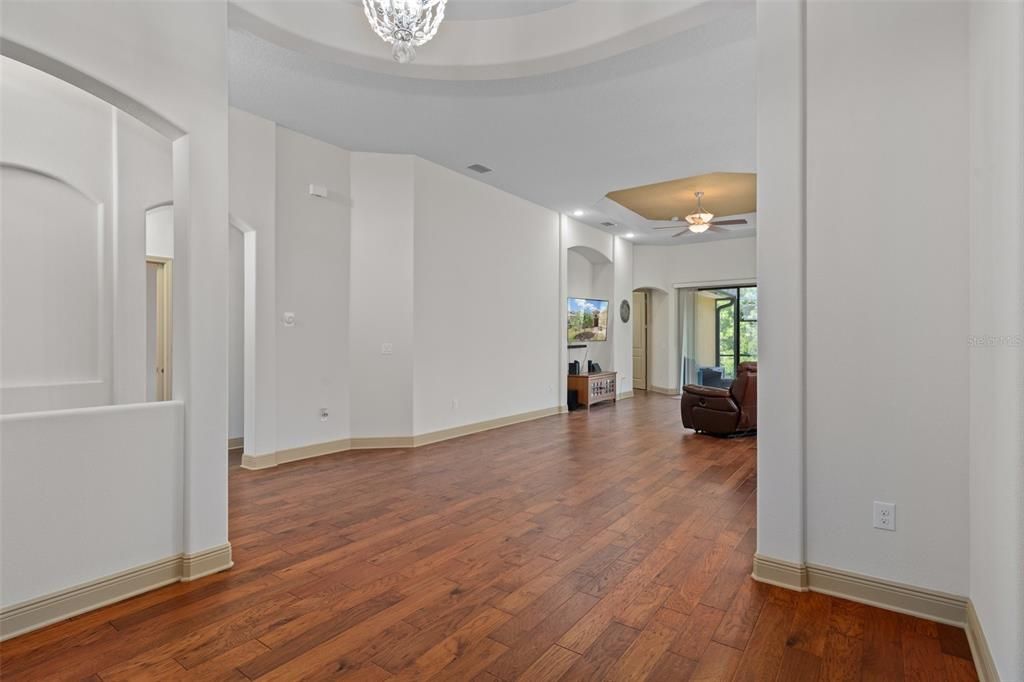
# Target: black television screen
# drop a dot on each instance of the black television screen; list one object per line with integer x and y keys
{"x": 588, "y": 320}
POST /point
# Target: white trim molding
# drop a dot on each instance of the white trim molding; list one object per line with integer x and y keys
{"x": 885, "y": 594}
{"x": 780, "y": 573}
{"x": 255, "y": 462}
{"x": 33, "y": 614}
{"x": 207, "y": 562}
{"x": 983, "y": 661}
{"x": 662, "y": 390}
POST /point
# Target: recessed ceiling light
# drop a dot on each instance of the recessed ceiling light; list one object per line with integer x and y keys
{"x": 629, "y": 235}
{"x": 578, "y": 212}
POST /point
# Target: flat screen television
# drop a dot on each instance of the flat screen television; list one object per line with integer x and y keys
{"x": 588, "y": 320}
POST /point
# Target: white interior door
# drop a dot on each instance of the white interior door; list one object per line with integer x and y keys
{"x": 640, "y": 340}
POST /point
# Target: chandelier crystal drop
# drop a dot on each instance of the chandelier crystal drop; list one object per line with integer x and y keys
{"x": 406, "y": 24}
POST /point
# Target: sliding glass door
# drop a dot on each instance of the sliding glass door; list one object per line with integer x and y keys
{"x": 726, "y": 325}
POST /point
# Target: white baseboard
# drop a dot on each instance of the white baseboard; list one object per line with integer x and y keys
{"x": 983, "y": 661}
{"x": 478, "y": 427}
{"x": 236, "y": 443}
{"x": 886, "y": 594}
{"x": 662, "y": 390}
{"x": 207, "y": 562}
{"x": 780, "y": 573}
{"x": 36, "y": 613}
{"x": 272, "y": 459}
{"x": 625, "y": 395}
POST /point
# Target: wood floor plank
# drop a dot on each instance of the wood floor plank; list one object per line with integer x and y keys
{"x": 697, "y": 631}
{"x": 578, "y": 547}
{"x": 608, "y": 648}
{"x": 843, "y": 658}
{"x": 718, "y": 663}
{"x": 762, "y": 658}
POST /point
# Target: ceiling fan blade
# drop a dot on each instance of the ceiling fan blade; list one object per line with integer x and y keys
{"x": 667, "y": 227}
{"x": 740, "y": 221}
{"x": 679, "y": 233}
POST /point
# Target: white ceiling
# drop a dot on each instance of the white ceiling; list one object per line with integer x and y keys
{"x": 676, "y": 106}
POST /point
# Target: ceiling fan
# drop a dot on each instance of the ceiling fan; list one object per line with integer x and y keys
{"x": 701, "y": 221}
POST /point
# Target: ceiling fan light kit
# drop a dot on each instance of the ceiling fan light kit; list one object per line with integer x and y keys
{"x": 405, "y": 24}
{"x": 700, "y": 220}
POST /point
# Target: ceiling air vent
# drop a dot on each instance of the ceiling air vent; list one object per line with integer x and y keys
{"x": 479, "y": 168}
{"x": 608, "y": 224}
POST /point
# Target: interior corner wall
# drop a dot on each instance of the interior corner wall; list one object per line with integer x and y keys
{"x": 312, "y": 275}
{"x": 781, "y": 207}
{"x": 143, "y": 177}
{"x": 487, "y": 336}
{"x": 382, "y": 316}
{"x": 236, "y": 334}
{"x": 622, "y": 347}
{"x": 252, "y": 143}
{"x": 996, "y": 343}
{"x": 887, "y": 305}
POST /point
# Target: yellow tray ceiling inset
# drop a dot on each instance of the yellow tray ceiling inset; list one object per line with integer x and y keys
{"x": 724, "y": 194}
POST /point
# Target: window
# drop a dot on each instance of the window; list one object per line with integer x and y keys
{"x": 735, "y": 327}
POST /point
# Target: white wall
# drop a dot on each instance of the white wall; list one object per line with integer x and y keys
{"x": 995, "y": 367}
{"x": 81, "y": 174}
{"x": 781, "y": 208}
{"x": 160, "y": 232}
{"x": 886, "y": 301}
{"x": 312, "y": 275}
{"x": 115, "y": 505}
{"x": 236, "y": 333}
{"x": 486, "y": 267}
{"x": 662, "y": 269}
{"x": 59, "y": 189}
{"x": 622, "y": 343}
{"x": 728, "y": 261}
{"x": 189, "y": 88}
{"x": 143, "y": 179}
{"x": 253, "y": 194}
{"x": 382, "y": 295}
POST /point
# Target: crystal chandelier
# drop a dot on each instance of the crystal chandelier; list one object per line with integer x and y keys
{"x": 406, "y": 24}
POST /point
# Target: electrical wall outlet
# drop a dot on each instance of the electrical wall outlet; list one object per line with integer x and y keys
{"x": 455, "y": 403}
{"x": 386, "y": 349}
{"x": 885, "y": 515}
{"x": 324, "y": 414}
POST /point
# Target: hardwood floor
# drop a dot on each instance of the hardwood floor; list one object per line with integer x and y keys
{"x": 578, "y": 547}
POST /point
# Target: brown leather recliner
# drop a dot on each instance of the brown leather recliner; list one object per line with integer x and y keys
{"x": 720, "y": 411}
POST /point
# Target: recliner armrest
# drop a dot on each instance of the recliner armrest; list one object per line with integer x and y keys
{"x": 707, "y": 391}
